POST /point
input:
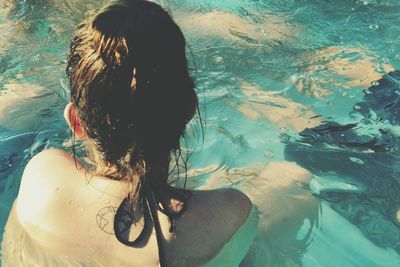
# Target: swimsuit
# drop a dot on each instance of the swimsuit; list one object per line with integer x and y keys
{"x": 230, "y": 255}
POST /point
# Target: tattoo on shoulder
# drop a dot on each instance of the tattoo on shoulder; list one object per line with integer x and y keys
{"x": 105, "y": 219}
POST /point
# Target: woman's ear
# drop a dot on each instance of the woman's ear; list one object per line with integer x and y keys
{"x": 72, "y": 118}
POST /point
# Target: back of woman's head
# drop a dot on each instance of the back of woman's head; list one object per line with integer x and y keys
{"x": 130, "y": 83}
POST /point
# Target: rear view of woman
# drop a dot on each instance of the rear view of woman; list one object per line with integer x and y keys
{"x": 131, "y": 99}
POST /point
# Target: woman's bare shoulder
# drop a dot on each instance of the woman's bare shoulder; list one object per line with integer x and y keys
{"x": 211, "y": 219}
{"x": 45, "y": 171}
{"x": 46, "y": 176}
{"x": 47, "y": 158}
{"x": 48, "y": 166}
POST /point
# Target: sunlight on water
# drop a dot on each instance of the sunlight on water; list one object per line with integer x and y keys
{"x": 297, "y": 81}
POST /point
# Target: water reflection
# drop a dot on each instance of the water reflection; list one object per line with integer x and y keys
{"x": 289, "y": 213}
{"x": 366, "y": 152}
{"x": 337, "y": 67}
{"x": 277, "y": 64}
{"x": 232, "y": 27}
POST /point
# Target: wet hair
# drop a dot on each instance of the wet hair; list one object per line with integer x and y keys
{"x": 131, "y": 86}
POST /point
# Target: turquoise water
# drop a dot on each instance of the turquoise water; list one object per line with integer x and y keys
{"x": 265, "y": 71}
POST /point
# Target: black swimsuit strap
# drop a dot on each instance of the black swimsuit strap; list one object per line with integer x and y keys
{"x": 118, "y": 232}
{"x": 150, "y": 207}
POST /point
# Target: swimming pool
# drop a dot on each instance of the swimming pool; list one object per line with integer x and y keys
{"x": 266, "y": 71}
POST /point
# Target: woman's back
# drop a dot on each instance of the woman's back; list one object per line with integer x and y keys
{"x": 71, "y": 215}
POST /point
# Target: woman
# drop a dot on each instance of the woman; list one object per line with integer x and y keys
{"x": 131, "y": 98}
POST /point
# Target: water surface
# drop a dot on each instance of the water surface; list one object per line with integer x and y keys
{"x": 265, "y": 72}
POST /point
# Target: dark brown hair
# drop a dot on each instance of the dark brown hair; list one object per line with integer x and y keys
{"x": 131, "y": 87}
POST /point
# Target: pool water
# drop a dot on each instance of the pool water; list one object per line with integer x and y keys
{"x": 292, "y": 80}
